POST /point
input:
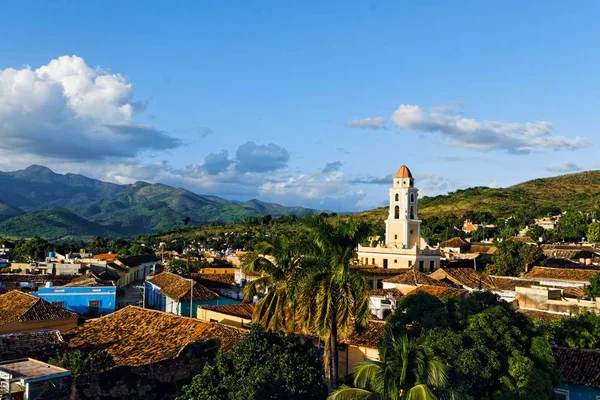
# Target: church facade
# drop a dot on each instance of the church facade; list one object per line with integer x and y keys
{"x": 404, "y": 247}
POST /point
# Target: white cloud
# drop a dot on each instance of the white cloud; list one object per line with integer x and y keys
{"x": 468, "y": 133}
{"x": 332, "y": 167}
{"x": 69, "y": 111}
{"x": 566, "y": 167}
{"x": 367, "y": 123}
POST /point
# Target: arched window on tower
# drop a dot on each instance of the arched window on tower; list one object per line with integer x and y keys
{"x": 412, "y": 197}
{"x": 397, "y": 197}
{"x": 412, "y": 212}
{"x": 397, "y": 212}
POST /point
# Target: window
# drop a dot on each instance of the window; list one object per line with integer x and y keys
{"x": 385, "y": 263}
{"x": 94, "y": 305}
{"x": 431, "y": 266}
{"x": 61, "y": 304}
{"x": 560, "y": 394}
{"x": 421, "y": 266}
{"x": 373, "y": 261}
{"x": 412, "y": 197}
{"x": 397, "y": 197}
{"x": 397, "y": 212}
{"x": 412, "y": 212}
{"x": 395, "y": 236}
{"x": 395, "y": 261}
{"x": 409, "y": 263}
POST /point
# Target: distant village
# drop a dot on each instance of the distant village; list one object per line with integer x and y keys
{"x": 161, "y": 321}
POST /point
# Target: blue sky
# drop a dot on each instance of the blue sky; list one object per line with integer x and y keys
{"x": 303, "y": 104}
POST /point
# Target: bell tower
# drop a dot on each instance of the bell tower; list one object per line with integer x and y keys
{"x": 403, "y": 227}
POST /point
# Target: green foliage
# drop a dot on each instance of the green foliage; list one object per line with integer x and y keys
{"x": 535, "y": 232}
{"x": 83, "y": 363}
{"x": 572, "y": 226}
{"x": 512, "y": 257}
{"x": 35, "y": 248}
{"x": 97, "y": 245}
{"x": 492, "y": 351}
{"x": 593, "y": 289}
{"x": 581, "y": 331}
{"x": 262, "y": 366}
{"x": 593, "y": 232}
{"x": 180, "y": 267}
{"x": 417, "y": 314}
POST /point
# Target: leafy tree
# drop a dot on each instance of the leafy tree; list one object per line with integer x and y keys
{"x": 138, "y": 250}
{"x": 593, "y": 290}
{"x": 98, "y": 245}
{"x": 117, "y": 245}
{"x": 83, "y": 363}
{"x": 180, "y": 267}
{"x": 417, "y": 314}
{"x": 35, "y": 248}
{"x": 512, "y": 257}
{"x": 581, "y": 331}
{"x": 264, "y": 365}
{"x": 593, "y": 232}
{"x": 572, "y": 226}
{"x": 535, "y": 232}
{"x": 406, "y": 370}
{"x": 330, "y": 295}
{"x": 530, "y": 254}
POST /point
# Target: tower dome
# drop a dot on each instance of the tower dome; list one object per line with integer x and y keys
{"x": 403, "y": 172}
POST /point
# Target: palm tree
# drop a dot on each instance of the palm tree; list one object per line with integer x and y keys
{"x": 275, "y": 264}
{"x": 330, "y": 295}
{"x": 405, "y": 372}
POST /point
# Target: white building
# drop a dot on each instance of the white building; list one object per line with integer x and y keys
{"x": 404, "y": 247}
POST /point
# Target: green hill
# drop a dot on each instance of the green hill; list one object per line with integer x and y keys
{"x": 126, "y": 210}
{"x": 52, "y": 223}
{"x": 579, "y": 191}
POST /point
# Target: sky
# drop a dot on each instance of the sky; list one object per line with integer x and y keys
{"x": 301, "y": 103}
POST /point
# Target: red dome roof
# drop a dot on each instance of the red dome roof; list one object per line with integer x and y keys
{"x": 403, "y": 172}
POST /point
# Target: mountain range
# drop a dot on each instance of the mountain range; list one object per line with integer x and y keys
{"x": 38, "y": 201}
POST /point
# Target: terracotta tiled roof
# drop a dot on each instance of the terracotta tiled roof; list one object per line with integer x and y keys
{"x": 228, "y": 279}
{"x": 439, "y": 291}
{"x": 137, "y": 336}
{"x": 373, "y": 270}
{"x": 523, "y": 239}
{"x": 561, "y": 274}
{"x": 22, "y": 307}
{"x": 541, "y": 315}
{"x": 134, "y": 261}
{"x": 454, "y": 242}
{"x": 395, "y": 293}
{"x": 466, "y": 277}
{"x": 414, "y": 278}
{"x": 403, "y": 172}
{"x": 369, "y": 337}
{"x": 576, "y": 292}
{"x": 237, "y": 310}
{"x": 105, "y": 256}
{"x": 482, "y": 248}
{"x": 507, "y": 283}
{"x": 178, "y": 288}
{"x": 578, "y": 366}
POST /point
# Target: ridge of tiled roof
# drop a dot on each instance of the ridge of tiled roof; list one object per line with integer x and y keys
{"x": 509, "y": 283}
{"x": 22, "y": 307}
{"x": 578, "y": 366}
{"x": 567, "y": 274}
{"x": 370, "y": 336}
{"x": 482, "y": 248}
{"x": 439, "y": 291}
{"x": 178, "y": 288}
{"x": 456, "y": 241}
{"x": 245, "y": 311}
{"x": 136, "y": 336}
{"x": 522, "y": 239}
{"x": 414, "y": 278}
{"x": 467, "y": 277}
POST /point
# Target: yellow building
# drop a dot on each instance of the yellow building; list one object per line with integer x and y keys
{"x": 238, "y": 315}
{"x": 403, "y": 247}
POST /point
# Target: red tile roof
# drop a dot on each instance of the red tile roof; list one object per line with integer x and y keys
{"x": 439, "y": 291}
{"x": 454, "y": 242}
{"x": 178, "y": 288}
{"x": 414, "y": 278}
{"x": 237, "y": 310}
{"x": 17, "y": 306}
{"x": 466, "y": 277}
{"x": 578, "y": 366}
{"x": 373, "y": 270}
{"x": 370, "y": 336}
{"x": 561, "y": 274}
{"x": 137, "y": 336}
{"x": 105, "y": 256}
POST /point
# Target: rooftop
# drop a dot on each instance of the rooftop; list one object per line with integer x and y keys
{"x": 454, "y": 242}
{"x": 16, "y": 306}
{"x": 245, "y": 311}
{"x": 178, "y": 288}
{"x": 414, "y": 278}
{"x": 439, "y": 291}
{"x": 106, "y": 256}
{"x": 561, "y": 274}
{"x": 38, "y": 344}
{"x": 578, "y": 366}
{"x": 134, "y": 261}
{"x": 369, "y": 337}
{"x": 137, "y": 336}
{"x": 403, "y": 172}
{"x": 374, "y": 270}
{"x": 28, "y": 369}
{"x": 395, "y": 293}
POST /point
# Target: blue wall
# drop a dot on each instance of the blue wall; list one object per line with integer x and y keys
{"x": 77, "y": 298}
{"x": 578, "y": 392}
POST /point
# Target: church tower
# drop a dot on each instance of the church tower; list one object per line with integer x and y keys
{"x": 403, "y": 227}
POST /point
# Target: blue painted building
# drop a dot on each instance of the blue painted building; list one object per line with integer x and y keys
{"x": 82, "y": 300}
{"x": 171, "y": 293}
{"x": 580, "y": 372}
